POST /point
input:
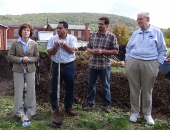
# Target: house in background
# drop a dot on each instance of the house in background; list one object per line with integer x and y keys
{"x": 12, "y": 32}
{"x": 3, "y": 37}
{"x": 9, "y": 33}
{"x": 82, "y": 32}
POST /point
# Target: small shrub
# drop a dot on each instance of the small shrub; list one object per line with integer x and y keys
{"x": 43, "y": 50}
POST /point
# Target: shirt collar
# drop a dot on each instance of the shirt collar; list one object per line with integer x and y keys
{"x": 103, "y": 34}
{"x": 20, "y": 40}
{"x": 64, "y": 38}
{"x": 147, "y": 30}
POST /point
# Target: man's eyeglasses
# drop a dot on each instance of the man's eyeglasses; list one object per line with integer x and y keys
{"x": 59, "y": 28}
{"x": 101, "y": 24}
{"x": 139, "y": 19}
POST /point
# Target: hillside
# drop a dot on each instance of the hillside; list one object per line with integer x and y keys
{"x": 71, "y": 18}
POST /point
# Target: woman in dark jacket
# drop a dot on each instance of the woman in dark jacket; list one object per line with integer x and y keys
{"x": 23, "y": 54}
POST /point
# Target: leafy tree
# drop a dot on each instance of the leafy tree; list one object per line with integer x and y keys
{"x": 167, "y": 42}
{"x": 71, "y": 18}
{"x": 167, "y": 33}
{"x": 122, "y": 33}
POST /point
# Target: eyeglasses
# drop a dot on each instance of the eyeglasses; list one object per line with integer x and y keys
{"x": 101, "y": 24}
{"x": 59, "y": 27}
{"x": 139, "y": 19}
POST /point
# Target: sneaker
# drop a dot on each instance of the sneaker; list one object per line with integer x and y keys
{"x": 107, "y": 109}
{"x": 134, "y": 117}
{"x": 149, "y": 119}
{"x": 88, "y": 107}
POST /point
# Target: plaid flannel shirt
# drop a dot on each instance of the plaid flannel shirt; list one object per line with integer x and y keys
{"x": 107, "y": 41}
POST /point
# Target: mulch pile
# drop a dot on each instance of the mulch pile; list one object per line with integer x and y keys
{"x": 119, "y": 87}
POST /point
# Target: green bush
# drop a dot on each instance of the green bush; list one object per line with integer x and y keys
{"x": 43, "y": 50}
{"x": 122, "y": 33}
{"x": 167, "y": 42}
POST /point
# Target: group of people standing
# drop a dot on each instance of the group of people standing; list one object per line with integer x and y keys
{"x": 145, "y": 52}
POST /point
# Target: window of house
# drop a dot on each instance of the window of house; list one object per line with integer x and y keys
{"x": 79, "y": 33}
{"x": 72, "y": 33}
{"x": 16, "y": 32}
{"x": 35, "y": 34}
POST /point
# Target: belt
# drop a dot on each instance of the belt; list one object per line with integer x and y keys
{"x": 64, "y": 64}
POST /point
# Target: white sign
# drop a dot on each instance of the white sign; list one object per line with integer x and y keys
{"x": 44, "y": 35}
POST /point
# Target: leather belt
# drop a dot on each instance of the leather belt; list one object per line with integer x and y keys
{"x": 64, "y": 64}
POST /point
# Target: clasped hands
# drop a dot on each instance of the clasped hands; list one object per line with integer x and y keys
{"x": 25, "y": 59}
{"x": 59, "y": 43}
{"x": 97, "y": 51}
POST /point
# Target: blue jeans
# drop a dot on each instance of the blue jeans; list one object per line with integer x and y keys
{"x": 105, "y": 80}
{"x": 66, "y": 75}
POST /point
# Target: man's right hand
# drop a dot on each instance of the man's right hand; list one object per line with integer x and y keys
{"x": 58, "y": 43}
{"x": 97, "y": 51}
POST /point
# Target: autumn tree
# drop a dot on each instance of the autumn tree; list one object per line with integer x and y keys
{"x": 167, "y": 33}
{"x": 122, "y": 33}
{"x": 167, "y": 41}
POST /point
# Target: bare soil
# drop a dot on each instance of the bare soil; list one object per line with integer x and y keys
{"x": 119, "y": 87}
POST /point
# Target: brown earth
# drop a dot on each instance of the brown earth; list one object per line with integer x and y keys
{"x": 119, "y": 87}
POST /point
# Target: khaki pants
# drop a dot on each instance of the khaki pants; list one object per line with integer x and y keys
{"x": 18, "y": 89}
{"x": 141, "y": 76}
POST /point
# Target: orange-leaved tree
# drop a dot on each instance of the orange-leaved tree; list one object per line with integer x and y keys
{"x": 122, "y": 33}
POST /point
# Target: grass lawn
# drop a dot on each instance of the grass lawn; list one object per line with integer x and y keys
{"x": 92, "y": 120}
{"x": 118, "y": 69}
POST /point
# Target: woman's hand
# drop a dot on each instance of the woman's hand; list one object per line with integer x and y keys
{"x": 25, "y": 59}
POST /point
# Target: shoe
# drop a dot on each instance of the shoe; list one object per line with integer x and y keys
{"x": 149, "y": 119}
{"x": 107, "y": 109}
{"x": 70, "y": 112}
{"x": 134, "y": 117}
{"x": 88, "y": 107}
{"x": 26, "y": 123}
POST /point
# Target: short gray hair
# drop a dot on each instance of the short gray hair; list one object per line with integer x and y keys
{"x": 146, "y": 14}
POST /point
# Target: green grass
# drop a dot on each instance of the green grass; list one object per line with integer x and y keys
{"x": 118, "y": 69}
{"x": 92, "y": 120}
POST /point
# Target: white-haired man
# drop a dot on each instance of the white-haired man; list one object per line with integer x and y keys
{"x": 145, "y": 52}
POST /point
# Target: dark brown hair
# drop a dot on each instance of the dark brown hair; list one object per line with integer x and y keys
{"x": 25, "y": 25}
{"x": 106, "y": 19}
{"x": 65, "y": 24}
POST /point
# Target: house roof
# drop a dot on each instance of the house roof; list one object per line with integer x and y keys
{"x": 75, "y": 27}
{"x": 3, "y": 26}
{"x": 17, "y": 24}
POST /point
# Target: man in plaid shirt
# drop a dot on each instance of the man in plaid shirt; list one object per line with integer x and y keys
{"x": 102, "y": 44}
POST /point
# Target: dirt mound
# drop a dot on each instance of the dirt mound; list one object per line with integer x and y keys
{"x": 5, "y": 67}
{"x": 119, "y": 86}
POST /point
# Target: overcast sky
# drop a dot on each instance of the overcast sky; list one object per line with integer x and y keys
{"x": 158, "y": 9}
